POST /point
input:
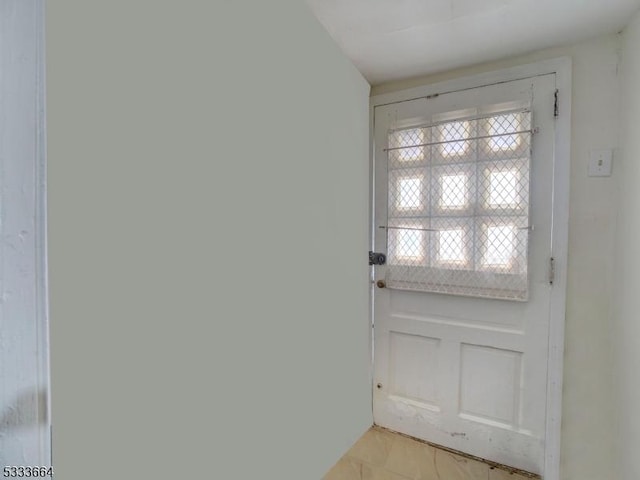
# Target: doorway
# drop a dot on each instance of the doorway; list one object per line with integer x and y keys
{"x": 469, "y": 182}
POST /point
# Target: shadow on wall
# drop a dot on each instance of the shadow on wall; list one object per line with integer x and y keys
{"x": 28, "y": 409}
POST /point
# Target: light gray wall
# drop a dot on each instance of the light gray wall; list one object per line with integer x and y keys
{"x": 208, "y": 204}
{"x": 587, "y": 424}
{"x": 627, "y": 278}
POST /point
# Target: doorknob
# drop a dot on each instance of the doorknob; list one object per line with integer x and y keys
{"x": 381, "y": 284}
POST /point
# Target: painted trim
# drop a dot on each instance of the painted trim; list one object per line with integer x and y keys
{"x": 562, "y": 68}
{"x": 23, "y": 248}
{"x": 559, "y": 249}
{"x": 42, "y": 272}
{"x": 372, "y": 236}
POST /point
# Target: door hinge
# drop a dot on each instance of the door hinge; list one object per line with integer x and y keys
{"x": 377, "y": 258}
{"x": 556, "y": 111}
{"x": 552, "y": 270}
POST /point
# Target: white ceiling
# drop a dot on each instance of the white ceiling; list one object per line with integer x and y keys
{"x": 396, "y": 39}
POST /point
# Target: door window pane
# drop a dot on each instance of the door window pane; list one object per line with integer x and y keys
{"x": 451, "y": 138}
{"x": 503, "y": 188}
{"x": 500, "y": 246}
{"x": 469, "y": 200}
{"x": 409, "y": 193}
{"x": 451, "y": 247}
{"x": 453, "y": 191}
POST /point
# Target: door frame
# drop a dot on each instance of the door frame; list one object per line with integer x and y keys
{"x": 562, "y": 68}
{"x": 22, "y": 47}
{"x": 41, "y": 224}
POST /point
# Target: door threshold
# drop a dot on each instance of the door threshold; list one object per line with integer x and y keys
{"x": 492, "y": 465}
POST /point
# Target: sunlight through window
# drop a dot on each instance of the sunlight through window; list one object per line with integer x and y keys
{"x": 451, "y": 246}
{"x": 453, "y": 192}
{"x": 500, "y": 246}
{"x": 408, "y": 140}
{"x": 502, "y": 125}
{"x": 410, "y": 244}
{"x": 450, "y": 133}
{"x": 409, "y": 193}
{"x": 503, "y": 188}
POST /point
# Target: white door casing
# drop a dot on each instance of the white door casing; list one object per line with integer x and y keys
{"x": 479, "y": 375}
{"x": 25, "y": 434}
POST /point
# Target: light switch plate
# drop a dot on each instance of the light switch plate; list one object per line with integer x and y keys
{"x": 600, "y": 163}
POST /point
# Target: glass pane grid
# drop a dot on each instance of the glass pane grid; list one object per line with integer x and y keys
{"x": 504, "y": 187}
{"x": 407, "y": 146}
{"x": 453, "y": 189}
{"x": 452, "y": 138}
{"x": 459, "y": 207}
{"x": 503, "y": 139}
{"x": 408, "y": 240}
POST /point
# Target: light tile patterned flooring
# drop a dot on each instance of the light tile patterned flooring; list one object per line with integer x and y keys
{"x": 384, "y": 455}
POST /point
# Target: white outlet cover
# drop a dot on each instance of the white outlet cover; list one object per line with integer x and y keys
{"x": 600, "y": 163}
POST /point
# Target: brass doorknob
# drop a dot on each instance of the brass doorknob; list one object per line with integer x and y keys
{"x": 381, "y": 284}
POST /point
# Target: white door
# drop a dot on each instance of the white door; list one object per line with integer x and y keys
{"x": 463, "y": 211}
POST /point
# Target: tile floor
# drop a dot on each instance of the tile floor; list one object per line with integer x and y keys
{"x": 384, "y": 455}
